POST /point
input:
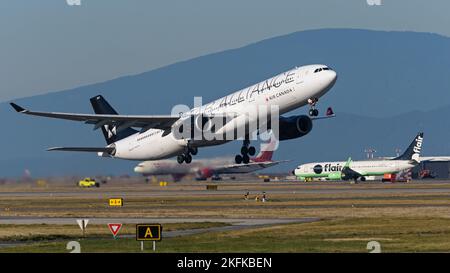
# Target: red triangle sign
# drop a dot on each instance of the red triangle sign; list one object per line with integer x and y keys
{"x": 114, "y": 228}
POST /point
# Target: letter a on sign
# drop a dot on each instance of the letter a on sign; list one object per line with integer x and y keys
{"x": 148, "y": 232}
{"x": 114, "y": 228}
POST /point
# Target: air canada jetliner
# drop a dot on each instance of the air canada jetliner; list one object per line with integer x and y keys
{"x": 155, "y": 137}
{"x": 206, "y": 168}
{"x": 354, "y": 170}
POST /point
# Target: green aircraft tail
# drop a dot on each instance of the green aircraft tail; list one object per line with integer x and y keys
{"x": 347, "y": 164}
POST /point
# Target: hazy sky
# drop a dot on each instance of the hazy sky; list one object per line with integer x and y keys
{"x": 48, "y": 45}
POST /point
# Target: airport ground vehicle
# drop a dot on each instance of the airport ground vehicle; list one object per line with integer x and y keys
{"x": 88, "y": 183}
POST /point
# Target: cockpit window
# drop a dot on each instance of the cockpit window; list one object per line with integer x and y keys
{"x": 321, "y": 69}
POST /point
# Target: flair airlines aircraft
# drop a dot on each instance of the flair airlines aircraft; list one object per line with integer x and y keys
{"x": 206, "y": 168}
{"x": 155, "y": 137}
{"x": 354, "y": 170}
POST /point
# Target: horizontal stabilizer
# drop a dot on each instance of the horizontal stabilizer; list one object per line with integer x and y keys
{"x": 108, "y": 150}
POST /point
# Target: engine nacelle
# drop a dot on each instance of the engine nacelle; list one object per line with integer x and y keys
{"x": 335, "y": 176}
{"x": 201, "y": 123}
{"x": 294, "y": 127}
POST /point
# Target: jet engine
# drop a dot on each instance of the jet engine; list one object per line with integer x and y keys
{"x": 294, "y": 127}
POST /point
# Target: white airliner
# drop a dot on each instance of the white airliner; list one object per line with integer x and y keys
{"x": 158, "y": 137}
{"x": 354, "y": 170}
{"x": 206, "y": 168}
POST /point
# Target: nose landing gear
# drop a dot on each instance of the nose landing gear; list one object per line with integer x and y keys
{"x": 313, "y": 112}
{"x": 246, "y": 150}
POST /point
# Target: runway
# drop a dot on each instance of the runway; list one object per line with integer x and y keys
{"x": 198, "y": 190}
{"x": 69, "y": 221}
{"x": 192, "y": 202}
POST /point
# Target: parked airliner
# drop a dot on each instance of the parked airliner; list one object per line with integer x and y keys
{"x": 164, "y": 136}
{"x": 354, "y": 170}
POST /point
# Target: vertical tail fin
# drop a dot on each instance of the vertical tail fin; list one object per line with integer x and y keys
{"x": 101, "y": 106}
{"x": 413, "y": 150}
{"x": 267, "y": 150}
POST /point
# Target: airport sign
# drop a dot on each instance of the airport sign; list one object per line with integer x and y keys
{"x": 114, "y": 228}
{"x": 148, "y": 232}
{"x": 116, "y": 202}
{"x": 83, "y": 223}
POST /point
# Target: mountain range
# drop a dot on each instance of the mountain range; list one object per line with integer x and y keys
{"x": 390, "y": 85}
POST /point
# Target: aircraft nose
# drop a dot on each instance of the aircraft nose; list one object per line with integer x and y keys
{"x": 332, "y": 76}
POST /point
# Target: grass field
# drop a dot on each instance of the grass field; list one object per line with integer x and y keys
{"x": 332, "y": 235}
{"x": 414, "y": 220}
{"x": 45, "y": 232}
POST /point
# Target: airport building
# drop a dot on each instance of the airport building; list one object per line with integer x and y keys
{"x": 436, "y": 169}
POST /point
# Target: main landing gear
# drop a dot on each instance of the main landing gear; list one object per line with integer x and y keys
{"x": 246, "y": 150}
{"x": 313, "y": 112}
{"x": 187, "y": 155}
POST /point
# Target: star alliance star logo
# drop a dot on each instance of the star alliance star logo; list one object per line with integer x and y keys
{"x": 111, "y": 132}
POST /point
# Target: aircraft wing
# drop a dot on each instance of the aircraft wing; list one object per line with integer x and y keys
{"x": 329, "y": 114}
{"x": 246, "y": 168}
{"x": 107, "y": 150}
{"x": 348, "y": 173}
{"x": 140, "y": 121}
{"x": 434, "y": 158}
{"x": 322, "y": 117}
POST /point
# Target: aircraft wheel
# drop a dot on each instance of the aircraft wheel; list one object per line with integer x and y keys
{"x": 244, "y": 150}
{"x": 363, "y": 179}
{"x": 251, "y": 151}
{"x": 180, "y": 159}
{"x": 188, "y": 159}
{"x": 193, "y": 150}
{"x": 245, "y": 159}
{"x": 311, "y": 112}
{"x": 238, "y": 159}
{"x": 315, "y": 112}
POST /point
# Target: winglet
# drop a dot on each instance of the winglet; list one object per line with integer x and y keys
{"x": 17, "y": 108}
{"x": 347, "y": 164}
{"x": 330, "y": 112}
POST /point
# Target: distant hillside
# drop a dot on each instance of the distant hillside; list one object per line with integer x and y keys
{"x": 390, "y": 85}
